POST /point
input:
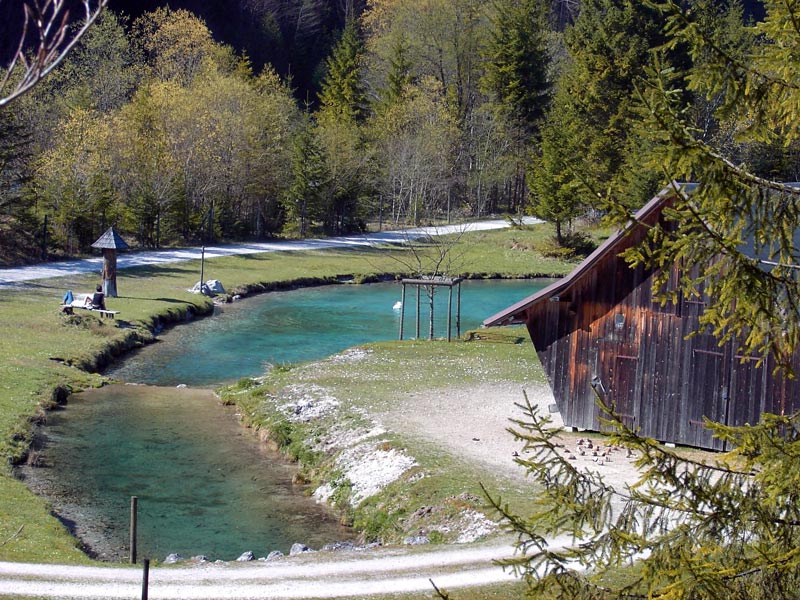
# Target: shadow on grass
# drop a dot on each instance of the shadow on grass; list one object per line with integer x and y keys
{"x": 155, "y": 271}
{"x": 167, "y": 300}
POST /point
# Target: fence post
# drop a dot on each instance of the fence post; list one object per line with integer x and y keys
{"x": 145, "y": 577}
{"x": 134, "y": 519}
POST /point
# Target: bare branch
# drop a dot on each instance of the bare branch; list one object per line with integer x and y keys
{"x": 44, "y": 41}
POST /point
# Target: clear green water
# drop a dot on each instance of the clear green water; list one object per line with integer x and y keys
{"x": 305, "y": 324}
{"x": 206, "y": 485}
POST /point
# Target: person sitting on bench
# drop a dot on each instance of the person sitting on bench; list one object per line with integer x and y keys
{"x": 99, "y": 299}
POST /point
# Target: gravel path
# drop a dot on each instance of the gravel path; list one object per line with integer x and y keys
{"x": 20, "y": 275}
{"x": 472, "y": 422}
{"x": 308, "y": 576}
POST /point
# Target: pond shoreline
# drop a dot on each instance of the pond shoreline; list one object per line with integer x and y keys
{"x": 212, "y": 458}
{"x": 139, "y": 335}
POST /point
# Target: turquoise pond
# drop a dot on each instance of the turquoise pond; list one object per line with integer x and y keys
{"x": 306, "y": 324}
{"x": 205, "y": 484}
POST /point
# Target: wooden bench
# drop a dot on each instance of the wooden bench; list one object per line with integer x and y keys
{"x": 109, "y": 314}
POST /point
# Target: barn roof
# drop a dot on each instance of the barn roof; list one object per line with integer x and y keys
{"x": 110, "y": 239}
{"x": 515, "y": 314}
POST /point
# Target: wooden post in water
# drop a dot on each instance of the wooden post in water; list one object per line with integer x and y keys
{"x": 145, "y": 577}
{"x": 402, "y": 309}
{"x": 134, "y": 518}
{"x": 449, "y": 311}
{"x": 458, "y": 311}
{"x": 431, "y": 297}
{"x": 417, "y": 332}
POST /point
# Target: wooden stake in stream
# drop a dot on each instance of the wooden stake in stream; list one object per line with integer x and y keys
{"x": 134, "y": 519}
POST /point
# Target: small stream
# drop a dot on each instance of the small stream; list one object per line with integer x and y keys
{"x": 206, "y": 485}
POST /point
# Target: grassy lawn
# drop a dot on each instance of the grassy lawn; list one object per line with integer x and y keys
{"x": 43, "y": 351}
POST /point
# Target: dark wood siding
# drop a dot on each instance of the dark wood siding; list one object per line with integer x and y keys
{"x": 660, "y": 371}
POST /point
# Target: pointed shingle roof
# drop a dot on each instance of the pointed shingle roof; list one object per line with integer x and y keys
{"x": 110, "y": 239}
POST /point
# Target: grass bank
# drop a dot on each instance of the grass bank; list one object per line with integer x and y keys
{"x": 323, "y": 415}
{"x": 44, "y": 354}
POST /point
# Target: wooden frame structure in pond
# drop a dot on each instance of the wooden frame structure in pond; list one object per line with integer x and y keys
{"x": 431, "y": 283}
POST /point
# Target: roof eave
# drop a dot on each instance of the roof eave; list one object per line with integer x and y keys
{"x": 514, "y": 315}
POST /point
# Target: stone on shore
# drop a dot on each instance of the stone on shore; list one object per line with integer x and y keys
{"x": 172, "y": 559}
{"x": 299, "y": 549}
{"x": 417, "y": 540}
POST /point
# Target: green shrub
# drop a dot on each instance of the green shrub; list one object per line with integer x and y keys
{"x": 572, "y": 245}
{"x": 375, "y": 524}
{"x": 436, "y": 537}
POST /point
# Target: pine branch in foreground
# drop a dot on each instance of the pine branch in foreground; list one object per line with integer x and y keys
{"x": 685, "y": 528}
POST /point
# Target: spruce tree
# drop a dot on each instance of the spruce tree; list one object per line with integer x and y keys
{"x": 555, "y": 193}
{"x": 399, "y": 77}
{"x": 517, "y": 63}
{"x": 609, "y": 49}
{"x": 16, "y": 219}
{"x": 305, "y": 200}
{"x": 343, "y": 93}
{"x": 687, "y": 529}
{"x": 739, "y": 224}
{"x": 726, "y": 527}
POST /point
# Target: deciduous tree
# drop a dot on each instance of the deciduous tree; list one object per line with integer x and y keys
{"x": 414, "y": 145}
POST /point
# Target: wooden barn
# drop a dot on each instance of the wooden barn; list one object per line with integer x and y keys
{"x": 600, "y": 328}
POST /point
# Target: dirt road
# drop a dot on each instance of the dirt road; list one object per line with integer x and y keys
{"x": 339, "y": 575}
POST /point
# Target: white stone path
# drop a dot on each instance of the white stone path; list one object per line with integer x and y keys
{"x": 348, "y": 575}
{"x": 19, "y": 275}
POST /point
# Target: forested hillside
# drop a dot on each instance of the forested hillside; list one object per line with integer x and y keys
{"x": 240, "y": 120}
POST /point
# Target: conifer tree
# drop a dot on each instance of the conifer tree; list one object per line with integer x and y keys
{"x": 724, "y": 528}
{"x": 555, "y": 193}
{"x": 343, "y": 91}
{"x": 516, "y": 79}
{"x": 686, "y": 529}
{"x": 517, "y": 63}
{"x": 609, "y": 49}
{"x": 399, "y": 77}
{"x": 740, "y": 224}
{"x": 16, "y": 219}
{"x": 304, "y": 202}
